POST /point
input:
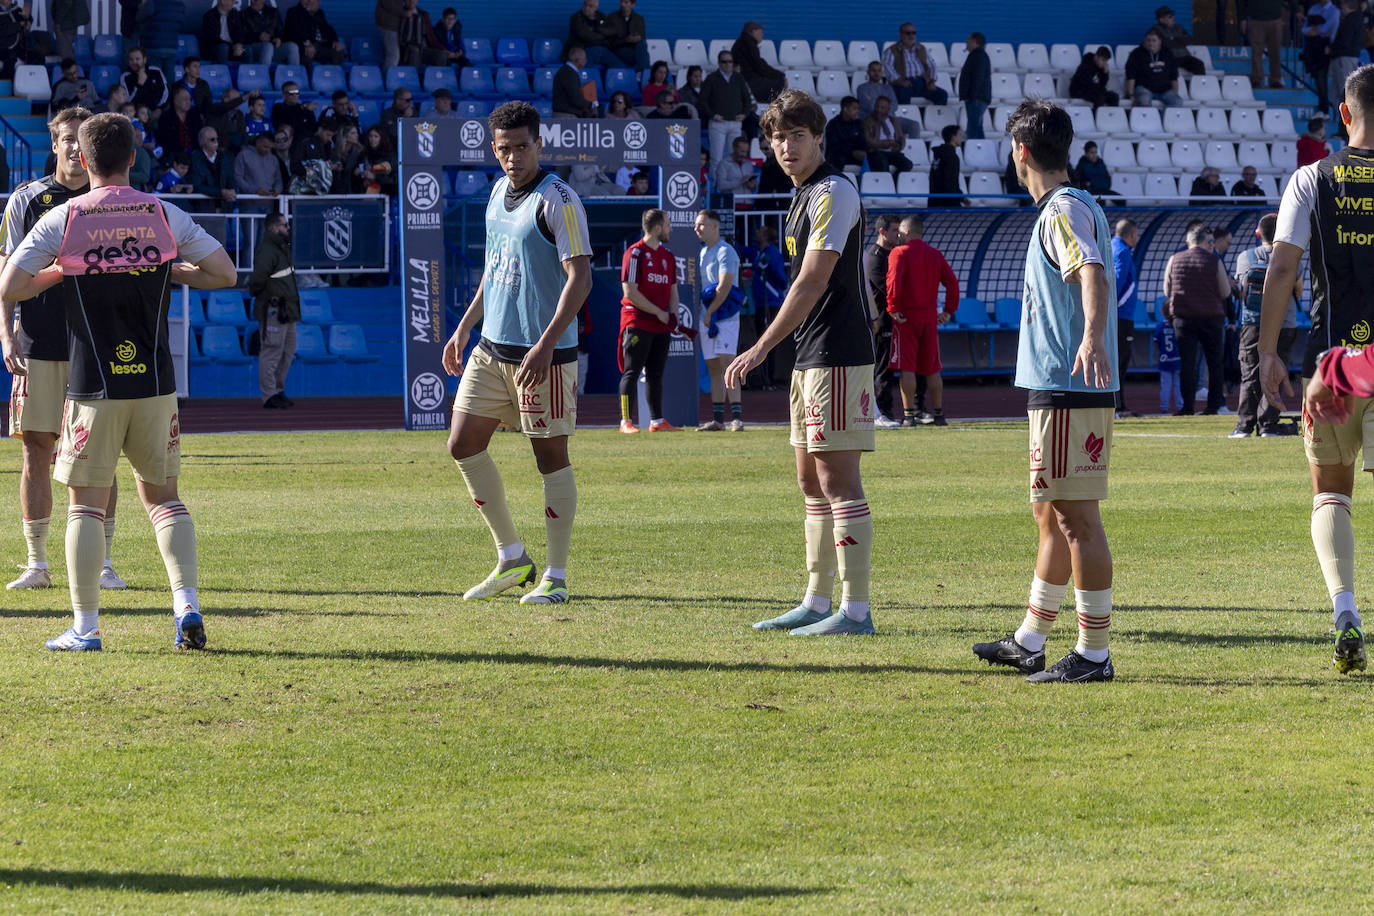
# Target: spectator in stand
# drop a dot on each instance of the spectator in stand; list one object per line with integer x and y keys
{"x": 318, "y": 146}
{"x": 736, "y": 174}
{"x": 160, "y": 26}
{"x": 668, "y": 106}
{"x": 447, "y": 37}
{"x": 872, "y": 90}
{"x": 628, "y": 36}
{"x": 441, "y": 107}
{"x": 568, "y": 100}
{"x": 145, "y": 84}
{"x": 178, "y": 130}
{"x": 1089, "y": 82}
{"x": 1246, "y": 187}
{"x": 588, "y": 29}
{"x": 66, "y": 17}
{"x": 915, "y": 273}
{"x": 418, "y": 41}
{"x": 290, "y": 111}
{"x": 1264, "y": 28}
{"x": 887, "y": 236}
{"x": 282, "y": 140}
{"x": 639, "y": 184}
{"x": 174, "y": 181}
{"x": 223, "y": 36}
{"x": 402, "y": 106}
{"x": 73, "y": 89}
{"x": 263, "y": 31}
{"x": 1091, "y": 172}
{"x": 691, "y": 93}
{"x": 1127, "y": 234}
{"x": 257, "y": 121}
{"x": 909, "y": 69}
{"x": 1312, "y": 144}
{"x": 212, "y": 174}
{"x": 885, "y": 139}
{"x": 348, "y": 151}
{"x": 975, "y": 84}
{"x": 1176, "y": 40}
{"x": 226, "y": 117}
{"x": 342, "y": 109}
{"x": 658, "y": 81}
{"x": 724, "y": 102}
{"x": 116, "y": 100}
{"x": 619, "y": 106}
{"x": 944, "y": 168}
{"x": 1208, "y": 184}
{"x": 770, "y": 282}
{"x": 201, "y": 96}
{"x": 387, "y": 16}
{"x": 1346, "y": 47}
{"x": 308, "y": 28}
{"x": 14, "y": 26}
{"x": 1323, "y": 19}
{"x": 588, "y": 180}
{"x": 1196, "y": 289}
{"x": 765, "y": 81}
{"x": 378, "y": 167}
{"x": 256, "y": 172}
{"x": 845, "y": 143}
{"x": 1152, "y": 74}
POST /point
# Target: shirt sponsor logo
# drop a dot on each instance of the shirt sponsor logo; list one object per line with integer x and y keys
{"x": 1351, "y": 237}
{"x": 1353, "y": 172}
{"x": 125, "y": 353}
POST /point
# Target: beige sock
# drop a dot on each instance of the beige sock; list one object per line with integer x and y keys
{"x": 488, "y": 491}
{"x": 560, "y": 506}
{"x": 176, "y": 538}
{"x": 36, "y": 538}
{"x": 85, "y": 546}
{"x": 1094, "y": 622}
{"x": 853, "y": 537}
{"x": 820, "y": 549}
{"x": 109, "y": 538}
{"x": 1334, "y": 537}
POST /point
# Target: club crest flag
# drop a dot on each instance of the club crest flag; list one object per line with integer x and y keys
{"x": 424, "y": 136}
{"x": 677, "y": 140}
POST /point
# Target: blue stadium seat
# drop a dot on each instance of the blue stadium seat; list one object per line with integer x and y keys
{"x": 253, "y": 76}
{"x": 1007, "y": 312}
{"x": 623, "y": 79}
{"x": 369, "y": 112}
{"x": 1159, "y": 306}
{"x": 290, "y": 73}
{"x": 542, "y": 82}
{"x": 82, "y": 49}
{"x": 397, "y": 77}
{"x": 472, "y": 108}
{"x": 194, "y": 355}
{"x": 217, "y": 77}
{"x": 467, "y": 182}
{"x": 366, "y": 78}
{"x": 365, "y": 50}
{"x": 225, "y": 306}
{"x": 513, "y": 82}
{"x": 349, "y": 343}
{"x": 593, "y": 75}
{"x": 477, "y": 82}
{"x": 104, "y": 76}
{"x": 108, "y": 49}
{"x": 513, "y": 52}
{"x": 973, "y": 316}
{"x": 548, "y": 52}
{"x": 328, "y": 79}
{"x": 441, "y": 78}
{"x": 187, "y": 46}
{"x": 478, "y": 50}
{"x": 222, "y": 344}
{"x": 315, "y": 307}
{"x": 310, "y": 346}
{"x": 544, "y": 107}
{"x": 197, "y": 309}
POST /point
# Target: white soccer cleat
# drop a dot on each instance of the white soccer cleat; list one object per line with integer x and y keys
{"x": 512, "y": 574}
{"x": 110, "y": 579}
{"x": 549, "y": 591}
{"x": 32, "y": 577}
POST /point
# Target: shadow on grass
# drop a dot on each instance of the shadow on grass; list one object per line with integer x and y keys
{"x": 113, "y": 613}
{"x": 1225, "y": 640}
{"x": 154, "y": 882}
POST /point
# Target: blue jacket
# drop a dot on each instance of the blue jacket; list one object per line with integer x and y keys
{"x": 770, "y": 278}
{"x": 1123, "y": 261}
{"x": 1167, "y": 345}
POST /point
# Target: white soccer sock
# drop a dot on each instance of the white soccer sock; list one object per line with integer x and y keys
{"x": 85, "y": 621}
{"x": 181, "y": 597}
{"x": 510, "y": 551}
{"x": 551, "y": 572}
{"x": 1041, "y": 610}
{"x": 1343, "y": 605}
{"x": 36, "y": 538}
{"x": 818, "y": 603}
{"x": 1094, "y": 623}
{"x": 856, "y": 611}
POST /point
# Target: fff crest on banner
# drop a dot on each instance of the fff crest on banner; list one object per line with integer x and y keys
{"x": 677, "y": 140}
{"x": 338, "y": 233}
{"x": 472, "y": 134}
{"x": 636, "y": 135}
{"x": 424, "y": 135}
{"x": 422, "y": 191}
{"x": 427, "y": 391}
{"x": 682, "y": 190}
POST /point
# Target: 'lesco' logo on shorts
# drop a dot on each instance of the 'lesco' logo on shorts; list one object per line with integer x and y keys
{"x": 125, "y": 352}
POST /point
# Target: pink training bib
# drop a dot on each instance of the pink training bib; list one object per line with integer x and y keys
{"x": 115, "y": 229}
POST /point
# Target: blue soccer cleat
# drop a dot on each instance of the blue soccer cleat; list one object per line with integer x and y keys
{"x": 837, "y": 624}
{"x": 190, "y": 631}
{"x": 800, "y": 616}
{"x": 72, "y": 641}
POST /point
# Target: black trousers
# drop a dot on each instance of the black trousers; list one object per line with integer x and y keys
{"x": 647, "y": 352}
{"x": 1203, "y": 334}
{"x": 1125, "y": 337}
{"x": 885, "y": 385}
{"x": 1254, "y": 409}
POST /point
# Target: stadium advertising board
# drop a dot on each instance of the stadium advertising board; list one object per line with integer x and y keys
{"x": 339, "y": 233}
{"x": 567, "y": 141}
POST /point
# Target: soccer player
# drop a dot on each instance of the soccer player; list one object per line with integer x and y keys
{"x": 114, "y": 248}
{"x": 721, "y": 298}
{"x": 827, "y": 312}
{"x": 1324, "y": 206}
{"x": 1065, "y": 360}
{"x": 648, "y": 275}
{"x": 37, "y": 356}
{"x": 524, "y": 369}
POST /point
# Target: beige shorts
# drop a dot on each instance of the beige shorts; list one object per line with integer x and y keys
{"x": 1070, "y": 449}
{"x": 36, "y": 399}
{"x": 832, "y": 409}
{"x": 488, "y": 389}
{"x": 1327, "y": 444}
{"x": 146, "y": 430}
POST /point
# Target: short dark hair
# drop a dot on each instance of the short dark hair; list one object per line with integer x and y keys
{"x": 1268, "y": 225}
{"x": 1359, "y": 92}
{"x": 188, "y": 60}
{"x": 286, "y": 86}
{"x": 185, "y": 158}
{"x": 447, "y": 10}
{"x": 1221, "y": 232}
{"x": 980, "y": 38}
{"x": 709, "y": 214}
{"x": 793, "y": 108}
{"x": 274, "y": 219}
{"x": 338, "y": 94}
{"x": 74, "y": 113}
{"x": 1315, "y": 123}
{"x": 1091, "y": 144}
{"x": 107, "y": 143}
{"x": 67, "y": 62}
{"x": 329, "y": 124}
{"x": 396, "y": 93}
{"x": 1046, "y": 130}
{"x": 948, "y": 131}
{"x": 768, "y": 232}
{"x": 885, "y": 221}
{"x": 513, "y": 116}
{"x": 443, "y": 94}
{"x": 847, "y": 101}
{"x": 695, "y": 68}
{"x": 651, "y": 219}
{"x": 1103, "y": 51}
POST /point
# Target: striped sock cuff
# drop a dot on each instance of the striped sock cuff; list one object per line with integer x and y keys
{"x": 85, "y": 512}
{"x": 850, "y": 510}
{"x": 167, "y": 513}
{"x": 1321, "y": 500}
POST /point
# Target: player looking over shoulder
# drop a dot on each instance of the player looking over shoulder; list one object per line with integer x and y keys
{"x": 524, "y": 369}
{"x": 1325, "y": 208}
{"x": 121, "y": 390}
{"x": 827, "y": 312}
{"x": 35, "y": 351}
{"x": 1064, "y": 359}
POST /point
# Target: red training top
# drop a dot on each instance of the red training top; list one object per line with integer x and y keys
{"x": 1348, "y": 373}
{"x": 653, "y": 272}
{"x": 915, "y": 272}
{"x": 1310, "y": 150}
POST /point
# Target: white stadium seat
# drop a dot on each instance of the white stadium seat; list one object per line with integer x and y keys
{"x": 1000, "y": 114}
{"x": 794, "y": 54}
{"x": 1130, "y": 186}
{"x": 913, "y": 183}
{"x": 1229, "y": 179}
{"x": 1186, "y": 155}
{"x": 954, "y": 59}
{"x": 1119, "y": 155}
{"x": 1065, "y": 57}
{"x": 1006, "y": 87}
{"x": 1145, "y": 120}
{"x": 987, "y": 120}
{"x": 1160, "y": 187}
{"x": 1083, "y": 123}
{"x": 801, "y": 79}
{"x": 1153, "y": 155}
{"x": 1113, "y": 121}
{"x": 1204, "y": 54}
{"x": 661, "y": 50}
{"x": 945, "y": 81}
{"x": 832, "y": 84}
{"x": 1220, "y": 154}
{"x": 986, "y": 183}
{"x": 936, "y": 117}
{"x": 919, "y": 153}
{"x": 1179, "y": 123}
{"x": 1032, "y": 55}
{"x": 1212, "y": 122}
{"x": 1004, "y": 152}
{"x": 769, "y": 52}
{"x": 1205, "y": 89}
{"x": 1284, "y": 154}
{"x": 1076, "y": 149}
{"x": 688, "y": 52}
{"x": 829, "y": 55}
{"x": 716, "y": 46}
{"x": 1246, "y": 123}
{"x": 910, "y": 113}
{"x": 31, "y": 82}
{"x": 1278, "y": 122}
{"x": 1119, "y": 55}
{"x": 877, "y": 183}
{"x": 1040, "y": 86}
{"x": 832, "y": 111}
{"x": 863, "y": 53}
{"x": 981, "y": 156}
{"x": 1256, "y": 153}
{"x": 1272, "y": 188}
{"x": 857, "y": 79}
{"x": 1002, "y": 55}
{"x": 1237, "y": 91}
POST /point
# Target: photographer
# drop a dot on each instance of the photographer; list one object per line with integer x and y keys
{"x": 277, "y": 307}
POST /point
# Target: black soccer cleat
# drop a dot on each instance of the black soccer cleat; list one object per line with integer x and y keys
{"x": 1350, "y": 654}
{"x": 1007, "y": 651}
{"x": 1075, "y": 669}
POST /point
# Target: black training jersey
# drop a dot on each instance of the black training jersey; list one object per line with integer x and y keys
{"x": 42, "y": 330}
{"x": 1329, "y": 206}
{"x": 826, "y": 215}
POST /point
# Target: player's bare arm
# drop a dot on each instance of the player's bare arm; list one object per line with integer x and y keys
{"x": 213, "y": 272}
{"x": 1279, "y": 284}
{"x": 453, "y": 350}
{"x": 638, "y": 301}
{"x": 18, "y": 285}
{"x": 817, "y": 266}
{"x": 534, "y": 368}
{"x": 1091, "y": 358}
{"x": 14, "y": 360}
{"x": 1324, "y": 404}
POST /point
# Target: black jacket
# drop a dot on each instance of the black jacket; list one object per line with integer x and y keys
{"x": 303, "y": 25}
{"x": 975, "y": 78}
{"x": 273, "y": 255}
{"x": 944, "y": 173}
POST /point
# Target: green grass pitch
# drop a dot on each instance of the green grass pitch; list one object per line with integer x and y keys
{"x": 358, "y": 739}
